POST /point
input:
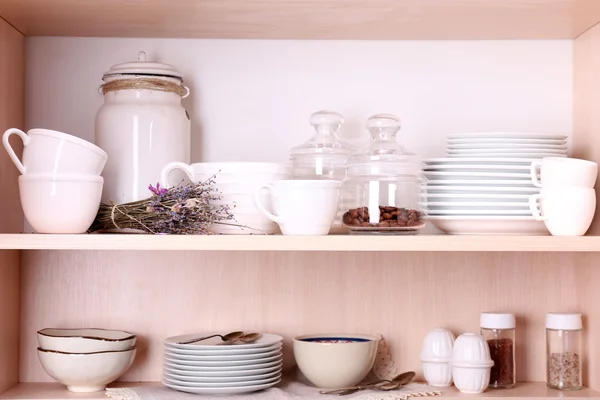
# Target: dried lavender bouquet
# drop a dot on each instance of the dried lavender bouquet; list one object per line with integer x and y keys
{"x": 187, "y": 209}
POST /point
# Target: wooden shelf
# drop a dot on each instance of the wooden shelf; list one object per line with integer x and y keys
{"x": 524, "y": 390}
{"x": 429, "y": 243}
{"x": 301, "y": 19}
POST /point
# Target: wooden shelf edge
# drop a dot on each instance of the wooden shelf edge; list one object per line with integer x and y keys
{"x": 523, "y": 390}
{"x": 438, "y": 243}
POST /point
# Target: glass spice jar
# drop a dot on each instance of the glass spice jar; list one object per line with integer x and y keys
{"x": 384, "y": 184}
{"x": 563, "y": 351}
{"x": 498, "y": 329}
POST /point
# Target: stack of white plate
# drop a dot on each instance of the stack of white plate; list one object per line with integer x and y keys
{"x": 483, "y": 187}
{"x": 209, "y": 367}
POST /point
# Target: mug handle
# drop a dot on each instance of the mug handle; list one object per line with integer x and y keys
{"x": 533, "y": 207}
{"x": 260, "y": 206}
{"x": 9, "y": 149}
{"x": 170, "y": 167}
{"x": 533, "y": 172}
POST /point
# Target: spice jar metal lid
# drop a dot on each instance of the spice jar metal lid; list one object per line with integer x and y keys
{"x": 564, "y": 321}
{"x": 143, "y": 67}
{"x": 490, "y": 320}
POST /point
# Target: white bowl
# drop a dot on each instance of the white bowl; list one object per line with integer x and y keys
{"x": 85, "y": 340}
{"x": 436, "y": 355}
{"x": 471, "y": 379}
{"x": 335, "y": 360}
{"x": 85, "y": 373}
{"x": 60, "y": 203}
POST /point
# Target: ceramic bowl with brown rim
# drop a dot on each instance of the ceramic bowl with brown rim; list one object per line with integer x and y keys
{"x": 89, "y": 340}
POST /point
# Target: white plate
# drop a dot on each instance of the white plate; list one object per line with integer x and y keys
{"x": 174, "y": 374}
{"x": 481, "y": 182}
{"x": 230, "y": 390}
{"x": 476, "y": 205}
{"x": 265, "y": 340}
{"x": 479, "y": 197}
{"x": 481, "y": 189}
{"x": 500, "y": 141}
{"x": 260, "y": 362}
{"x": 479, "y": 161}
{"x": 475, "y": 175}
{"x": 223, "y": 350}
{"x": 489, "y": 225}
{"x": 224, "y": 368}
{"x": 222, "y": 372}
{"x": 507, "y": 135}
{"x": 466, "y": 152}
{"x": 257, "y": 357}
{"x": 502, "y": 145}
{"x": 477, "y": 168}
{"x": 221, "y": 384}
{"x": 509, "y": 155}
{"x": 488, "y": 212}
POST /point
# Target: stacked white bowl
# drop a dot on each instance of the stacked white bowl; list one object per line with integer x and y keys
{"x": 236, "y": 183}
{"x": 85, "y": 360}
{"x": 211, "y": 367}
{"x": 60, "y": 184}
{"x": 484, "y": 184}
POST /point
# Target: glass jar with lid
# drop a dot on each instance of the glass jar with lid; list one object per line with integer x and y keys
{"x": 384, "y": 184}
{"x": 563, "y": 351}
{"x": 498, "y": 329}
{"x": 323, "y": 156}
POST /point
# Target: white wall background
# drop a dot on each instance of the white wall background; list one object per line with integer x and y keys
{"x": 251, "y": 99}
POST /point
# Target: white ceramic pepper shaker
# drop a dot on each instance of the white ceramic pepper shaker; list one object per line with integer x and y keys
{"x": 471, "y": 363}
{"x": 436, "y": 356}
{"x": 142, "y": 126}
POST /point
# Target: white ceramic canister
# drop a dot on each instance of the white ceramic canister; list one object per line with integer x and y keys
{"x": 142, "y": 126}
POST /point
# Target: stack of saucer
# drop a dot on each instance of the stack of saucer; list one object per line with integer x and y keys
{"x": 211, "y": 367}
{"x": 506, "y": 145}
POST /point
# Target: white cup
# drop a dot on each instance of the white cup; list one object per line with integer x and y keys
{"x": 301, "y": 207}
{"x": 60, "y": 203}
{"x": 565, "y": 211}
{"x": 562, "y": 171}
{"x": 53, "y": 152}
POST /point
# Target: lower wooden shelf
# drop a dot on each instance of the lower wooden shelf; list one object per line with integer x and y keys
{"x": 524, "y": 390}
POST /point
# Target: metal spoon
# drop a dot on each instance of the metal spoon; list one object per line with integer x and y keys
{"x": 229, "y": 337}
{"x": 249, "y": 337}
{"x": 399, "y": 380}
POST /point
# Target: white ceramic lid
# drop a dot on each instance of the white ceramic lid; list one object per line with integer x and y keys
{"x": 563, "y": 321}
{"x": 490, "y": 320}
{"x": 143, "y": 67}
{"x": 471, "y": 350}
{"x": 437, "y": 346}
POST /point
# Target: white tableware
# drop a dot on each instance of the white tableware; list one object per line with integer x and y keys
{"x": 335, "y": 360}
{"x": 225, "y": 369}
{"x": 506, "y": 135}
{"x": 477, "y": 168}
{"x": 60, "y": 203}
{"x": 492, "y": 190}
{"x": 88, "y": 372}
{"x": 215, "y": 343}
{"x": 489, "y": 225}
{"x": 475, "y": 175}
{"x": 563, "y": 172}
{"x": 480, "y": 182}
{"x": 224, "y": 363}
{"x": 220, "y": 391}
{"x": 258, "y": 357}
{"x": 566, "y": 211}
{"x": 175, "y": 374}
{"x": 506, "y": 141}
{"x": 485, "y": 212}
{"x": 85, "y": 340}
{"x": 52, "y": 152}
{"x": 224, "y": 350}
{"x": 221, "y": 385}
{"x": 471, "y": 363}
{"x": 508, "y": 146}
{"x": 481, "y": 205}
{"x": 302, "y": 207}
{"x": 476, "y": 197}
{"x": 510, "y": 155}
{"x": 436, "y": 356}
{"x": 496, "y": 150}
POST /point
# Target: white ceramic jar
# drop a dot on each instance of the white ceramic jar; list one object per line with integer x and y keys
{"x": 142, "y": 126}
{"x": 471, "y": 363}
{"x": 436, "y": 357}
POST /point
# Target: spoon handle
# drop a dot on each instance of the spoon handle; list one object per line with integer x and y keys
{"x": 199, "y": 339}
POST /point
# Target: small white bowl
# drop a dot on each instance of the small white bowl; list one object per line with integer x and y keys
{"x": 85, "y": 340}
{"x": 86, "y": 373}
{"x": 60, "y": 203}
{"x": 471, "y": 363}
{"x": 436, "y": 356}
{"x": 332, "y": 361}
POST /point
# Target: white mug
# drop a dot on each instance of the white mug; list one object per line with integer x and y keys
{"x": 565, "y": 211}
{"x": 562, "y": 171}
{"x": 302, "y": 207}
{"x": 53, "y": 152}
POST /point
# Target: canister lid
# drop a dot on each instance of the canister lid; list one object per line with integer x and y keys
{"x": 491, "y": 320}
{"x": 143, "y": 67}
{"x": 563, "y": 321}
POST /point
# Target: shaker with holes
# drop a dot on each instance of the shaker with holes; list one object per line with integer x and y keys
{"x": 384, "y": 184}
{"x": 142, "y": 126}
{"x": 564, "y": 358}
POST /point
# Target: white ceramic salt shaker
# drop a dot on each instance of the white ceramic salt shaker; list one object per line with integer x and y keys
{"x": 471, "y": 363}
{"x": 436, "y": 357}
{"x": 142, "y": 126}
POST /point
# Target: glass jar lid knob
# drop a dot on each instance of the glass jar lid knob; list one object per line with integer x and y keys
{"x": 383, "y": 121}
{"x": 325, "y": 117}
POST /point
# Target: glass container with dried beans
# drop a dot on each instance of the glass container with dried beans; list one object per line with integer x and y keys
{"x": 498, "y": 329}
{"x": 384, "y": 184}
{"x": 563, "y": 351}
